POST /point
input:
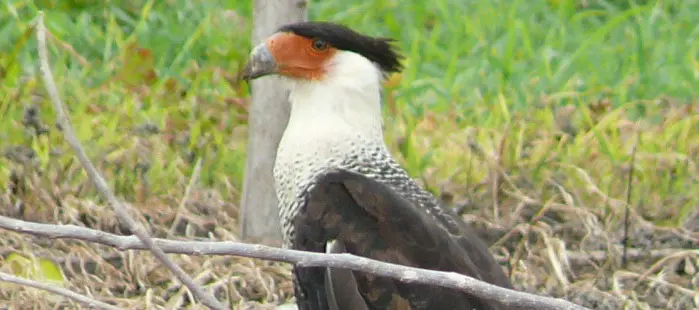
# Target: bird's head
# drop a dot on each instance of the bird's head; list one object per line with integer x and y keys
{"x": 315, "y": 51}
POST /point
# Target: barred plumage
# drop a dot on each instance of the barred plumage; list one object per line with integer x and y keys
{"x": 296, "y": 168}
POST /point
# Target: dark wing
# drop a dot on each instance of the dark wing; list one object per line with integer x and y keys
{"x": 341, "y": 286}
{"x": 370, "y": 219}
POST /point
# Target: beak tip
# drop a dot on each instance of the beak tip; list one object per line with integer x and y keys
{"x": 247, "y": 75}
{"x": 260, "y": 63}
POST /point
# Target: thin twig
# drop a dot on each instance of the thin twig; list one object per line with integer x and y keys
{"x": 508, "y": 298}
{"x": 98, "y": 180}
{"x": 84, "y": 62}
{"x": 657, "y": 280}
{"x": 653, "y": 268}
{"x": 629, "y": 189}
{"x": 185, "y": 198}
{"x": 495, "y": 174}
{"x": 56, "y": 290}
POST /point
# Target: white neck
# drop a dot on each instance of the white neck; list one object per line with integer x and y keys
{"x": 332, "y": 120}
{"x": 346, "y": 101}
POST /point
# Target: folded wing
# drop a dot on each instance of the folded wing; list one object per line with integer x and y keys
{"x": 367, "y": 218}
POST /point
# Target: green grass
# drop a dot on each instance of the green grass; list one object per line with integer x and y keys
{"x": 486, "y": 64}
{"x": 554, "y": 94}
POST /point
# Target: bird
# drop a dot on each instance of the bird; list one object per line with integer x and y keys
{"x": 339, "y": 188}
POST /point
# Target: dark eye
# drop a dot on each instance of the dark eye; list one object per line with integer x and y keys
{"x": 320, "y": 45}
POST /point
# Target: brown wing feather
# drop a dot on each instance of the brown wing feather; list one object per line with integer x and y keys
{"x": 451, "y": 243}
{"x": 371, "y": 220}
{"x": 341, "y": 286}
{"x": 331, "y": 213}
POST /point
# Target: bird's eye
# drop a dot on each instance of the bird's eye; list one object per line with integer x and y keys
{"x": 320, "y": 45}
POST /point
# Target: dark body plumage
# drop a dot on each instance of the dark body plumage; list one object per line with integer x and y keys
{"x": 337, "y": 181}
{"x": 373, "y": 220}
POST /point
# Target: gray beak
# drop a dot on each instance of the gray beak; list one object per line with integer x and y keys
{"x": 260, "y": 63}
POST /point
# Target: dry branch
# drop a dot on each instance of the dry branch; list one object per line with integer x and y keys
{"x": 509, "y": 298}
{"x": 98, "y": 180}
{"x": 56, "y": 290}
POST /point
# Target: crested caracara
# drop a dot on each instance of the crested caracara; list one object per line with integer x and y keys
{"x": 339, "y": 188}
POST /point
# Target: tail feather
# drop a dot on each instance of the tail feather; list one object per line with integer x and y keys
{"x": 340, "y": 284}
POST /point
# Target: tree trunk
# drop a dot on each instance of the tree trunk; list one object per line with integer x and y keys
{"x": 269, "y": 114}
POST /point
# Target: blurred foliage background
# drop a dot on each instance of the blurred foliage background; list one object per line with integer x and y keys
{"x": 502, "y": 104}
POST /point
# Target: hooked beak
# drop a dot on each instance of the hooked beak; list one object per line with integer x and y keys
{"x": 260, "y": 63}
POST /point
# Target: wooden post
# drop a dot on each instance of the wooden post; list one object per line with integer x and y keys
{"x": 269, "y": 114}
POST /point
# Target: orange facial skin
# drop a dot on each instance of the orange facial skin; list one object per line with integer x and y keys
{"x": 300, "y": 57}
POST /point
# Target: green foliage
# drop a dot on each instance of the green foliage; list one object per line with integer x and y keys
{"x": 39, "y": 269}
{"x": 149, "y": 92}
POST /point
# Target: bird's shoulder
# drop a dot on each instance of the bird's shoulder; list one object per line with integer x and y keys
{"x": 386, "y": 170}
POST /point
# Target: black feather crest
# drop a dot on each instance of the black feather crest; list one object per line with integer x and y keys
{"x": 378, "y": 50}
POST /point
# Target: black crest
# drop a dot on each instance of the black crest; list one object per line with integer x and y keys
{"x": 378, "y": 50}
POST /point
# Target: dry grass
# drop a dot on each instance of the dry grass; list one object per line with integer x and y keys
{"x": 135, "y": 279}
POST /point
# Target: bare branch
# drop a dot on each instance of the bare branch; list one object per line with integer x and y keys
{"x": 56, "y": 290}
{"x": 509, "y": 298}
{"x": 99, "y": 181}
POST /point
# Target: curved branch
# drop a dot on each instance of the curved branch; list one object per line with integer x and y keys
{"x": 98, "y": 180}
{"x": 56, "y": 290}
{"x": 508, "y": 298}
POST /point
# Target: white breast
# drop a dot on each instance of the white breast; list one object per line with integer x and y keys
{"x": 332, "y": 121}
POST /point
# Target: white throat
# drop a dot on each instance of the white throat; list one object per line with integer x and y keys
{"x": 331, "y": 120}
{"x": 347, "y": 101}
